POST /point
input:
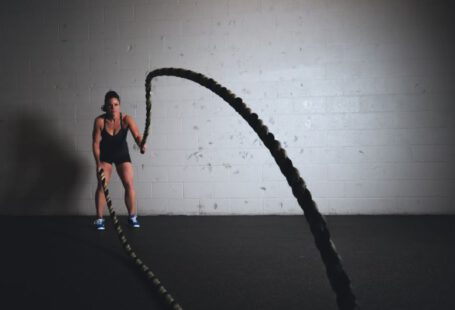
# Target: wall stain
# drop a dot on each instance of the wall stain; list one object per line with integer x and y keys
{"x": 209, "y": 166}
{"x": 197, "y": 155}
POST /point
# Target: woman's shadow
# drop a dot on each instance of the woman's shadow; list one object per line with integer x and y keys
{"x": 41, "y": 171}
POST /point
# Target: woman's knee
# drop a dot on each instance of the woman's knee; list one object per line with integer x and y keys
{"x": 129, "y": 186}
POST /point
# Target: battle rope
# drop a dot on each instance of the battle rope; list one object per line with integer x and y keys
{"x": 167, "y": 298}
{"x": 338, "y": 278}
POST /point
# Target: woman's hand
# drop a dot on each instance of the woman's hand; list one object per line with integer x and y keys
{"x": 98, "y": 169}
{"x": 143, "y": 148}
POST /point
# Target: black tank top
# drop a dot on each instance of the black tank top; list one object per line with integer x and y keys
{"x": 113, "y": 146}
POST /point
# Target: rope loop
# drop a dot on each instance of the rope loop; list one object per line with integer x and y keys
{"x": 338, "y": 278}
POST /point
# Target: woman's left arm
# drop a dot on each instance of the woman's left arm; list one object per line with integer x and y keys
{"x": 135, "y": 132}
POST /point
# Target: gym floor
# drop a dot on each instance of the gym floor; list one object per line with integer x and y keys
{"x": 226, "y": 262}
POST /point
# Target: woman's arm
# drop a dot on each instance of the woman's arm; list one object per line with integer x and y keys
{"x": 135, "y": 131}
{"x": 96, "y": 138}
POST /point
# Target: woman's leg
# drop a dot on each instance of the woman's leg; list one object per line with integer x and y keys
{"x": 100, "y": 199}
{"x": 125, "y": 172}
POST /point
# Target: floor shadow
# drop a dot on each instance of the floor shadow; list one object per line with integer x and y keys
{"x": 64, "y": 255}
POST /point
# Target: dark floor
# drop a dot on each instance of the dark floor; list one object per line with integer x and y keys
{"x": 260, "y": 262}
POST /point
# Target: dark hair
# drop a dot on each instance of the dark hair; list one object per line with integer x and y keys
{"x": 107, "y": 98}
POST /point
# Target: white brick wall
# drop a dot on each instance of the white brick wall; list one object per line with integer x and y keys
{"x": 359, "y": 93}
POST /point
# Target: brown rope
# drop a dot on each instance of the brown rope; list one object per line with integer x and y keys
{"x": 338, "y": 278}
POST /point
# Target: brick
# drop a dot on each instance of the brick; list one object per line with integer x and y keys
{"x": 419, "y": 171}
{"x": 113, "y": 14}
{"x": 313, "y": 155}
{"x": 238, "y": 190}
{"x": 246, "y": 206}
{"x": 184, "y": 206}
{"x": 353, "y": 172}
{"x": 198, "y": 173}
{"x": 167, "y": 190}
{"x": 143, "y": 190}
{"x": 167, "y": 125}
{"x": 152, "y": 206}
{"x": 237, "y": 7}
{"x": 146, "y": 173}
{"x": 83, "y": 143}
{"x": 327, "y": 189}
{"x": 342, "y": 104}
{"x": 197, "y": 190}
{"x": 209, "y": 206}
{"x": 99, "y": 30}
{"x": 424, "y": 205}
{"x": 433, "y": 153}
{"x": 178, "y": 158}
{"x": 282, "y": 206}
{"x": 240, "y": 156}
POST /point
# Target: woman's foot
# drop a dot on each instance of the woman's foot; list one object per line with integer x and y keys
{"x": 99, "y": 224}
{"x": 133, "y": 222}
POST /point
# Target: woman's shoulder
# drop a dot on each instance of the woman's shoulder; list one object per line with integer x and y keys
{"x": 100, "y": 118}
{"x": 127, "y": 118}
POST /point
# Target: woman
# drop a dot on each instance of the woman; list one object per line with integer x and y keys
{"x": 110, "y": 147}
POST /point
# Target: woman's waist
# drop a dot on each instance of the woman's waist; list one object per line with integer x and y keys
{"x": 114, "y": 145}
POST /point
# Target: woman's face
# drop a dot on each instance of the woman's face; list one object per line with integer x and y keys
{"x": 113, "y": 107}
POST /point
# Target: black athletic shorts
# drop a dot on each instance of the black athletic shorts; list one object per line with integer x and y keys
{"x": 117, "y": 159}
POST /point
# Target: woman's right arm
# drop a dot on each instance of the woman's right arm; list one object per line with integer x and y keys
{"x": 96, "y": 138}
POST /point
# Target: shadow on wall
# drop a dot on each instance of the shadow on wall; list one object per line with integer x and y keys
{"x": 437, "y": 24}
{"x": 39, "y": 169}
